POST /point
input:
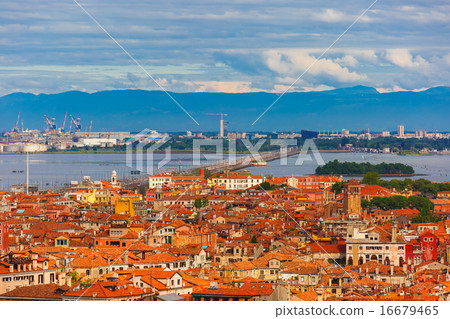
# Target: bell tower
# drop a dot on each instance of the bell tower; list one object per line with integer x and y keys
{"x": 352, "y": 197}
{"x": 114, "y": 178}
{"x": 158, "y": 203}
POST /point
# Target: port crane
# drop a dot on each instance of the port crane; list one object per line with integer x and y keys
{"x": 62, "y": 130}
{"x": 15, "y": 129}
{"x": 50, "y": 124}
{"x": 88, "y": 133}
{"x": 76, "y": 122}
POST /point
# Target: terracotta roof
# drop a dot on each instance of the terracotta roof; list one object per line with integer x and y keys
{"x": 49, "y": 292}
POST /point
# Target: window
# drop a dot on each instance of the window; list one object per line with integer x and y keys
{"x": 88, "y": 272}
{"x": 52, "y": 278}
{"x": 425, "y": 239}
{"x": 96, "y": 243}
{"x": 431, "y": 238}
{"x": 302, "y": 279}
{"x": 40, "y": 279}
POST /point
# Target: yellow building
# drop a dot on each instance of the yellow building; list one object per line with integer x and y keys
{"x": 124, "y": 205}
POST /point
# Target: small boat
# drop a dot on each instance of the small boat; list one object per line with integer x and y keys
{"x": 259, "y": 163}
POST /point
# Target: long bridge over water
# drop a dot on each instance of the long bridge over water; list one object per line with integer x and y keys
{"x": 232, "y": 163}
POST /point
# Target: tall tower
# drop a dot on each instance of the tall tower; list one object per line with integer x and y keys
{"x": 158, "y": 202}
{"x": 400, "y": 131}
{"x": 223, "y": 126}
{"x": 352, "y": 197}
{"x": 114, "y": 178}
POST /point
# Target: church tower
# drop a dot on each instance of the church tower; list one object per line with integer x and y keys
{"x": 114, "y": 178}
{"x": 352, "y": 197}
{"x": 158, "y": 203}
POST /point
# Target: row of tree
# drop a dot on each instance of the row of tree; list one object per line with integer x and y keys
{"x": 352, "y": 168}
{"x": 424, "y": 186}
{"x": 422, "y": 204}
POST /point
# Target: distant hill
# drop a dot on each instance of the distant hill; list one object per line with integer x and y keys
{"x": 353, "y": 108}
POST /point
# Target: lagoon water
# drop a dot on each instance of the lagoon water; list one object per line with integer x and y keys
{"x": 432, "y": 167}
{"x": 54, "y": 170}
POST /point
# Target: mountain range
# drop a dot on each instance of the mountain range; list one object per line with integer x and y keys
{"x": 354, "y": 108}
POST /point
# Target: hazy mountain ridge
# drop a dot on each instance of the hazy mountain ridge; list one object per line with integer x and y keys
{"x": 353, "y": 108}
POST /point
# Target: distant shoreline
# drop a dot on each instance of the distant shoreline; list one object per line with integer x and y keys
{"x": 156, "y": 152}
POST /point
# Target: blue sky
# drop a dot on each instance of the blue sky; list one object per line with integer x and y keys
{"x": 223, "y": 46}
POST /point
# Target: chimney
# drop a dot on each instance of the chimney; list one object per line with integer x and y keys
{"x": 405, "y": 268}
{"x": 394, "y": 232}
{"x": 213, "y": 284}
{"x": 34, "y": 259}
{"x": 392, "y": 270}
{"x": 377, "y": 270}
{"x": 61, "y": 279}
{"x": 11, "y": 268}
{"x": 69, "y": 281}
{"x": 125, "y": 257}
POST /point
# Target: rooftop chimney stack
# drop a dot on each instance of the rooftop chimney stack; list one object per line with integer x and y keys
{"x": 394, "y": 232}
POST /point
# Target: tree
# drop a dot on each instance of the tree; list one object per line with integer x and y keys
{"x": 266, "y": 186}
{"x": 371, "y": 178}
{"x": 424, "y": 205}
{"x": 365, "y": 203}
{"x": 268, "y": 176}
{"x": 201, "y": 202}
{"x": 142, "y": 190}
{"x": 254, "y": 240}
{"x": 336, "y": 188}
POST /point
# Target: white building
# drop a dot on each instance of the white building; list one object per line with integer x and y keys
{"x": 236, "y": 181}
{"x": 159, "y": 180}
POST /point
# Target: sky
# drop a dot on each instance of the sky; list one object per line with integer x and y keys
{"x": 223, "y": 46}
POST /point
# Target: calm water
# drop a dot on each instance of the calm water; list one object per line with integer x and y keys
{"x": 54, "y": 170}
{"x": 433, "y": 167}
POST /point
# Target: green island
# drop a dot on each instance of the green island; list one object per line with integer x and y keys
{"x": 352, "y": 168}
{"x": 412, "y": 152}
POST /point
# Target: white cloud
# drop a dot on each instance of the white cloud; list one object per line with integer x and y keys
{"x": 403, "y": 58}
{"x": 347, "y": 60}
{"x": 221, "y": 86}
{"x": 331, "y": 15}
{"x": 294, "y": 62}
